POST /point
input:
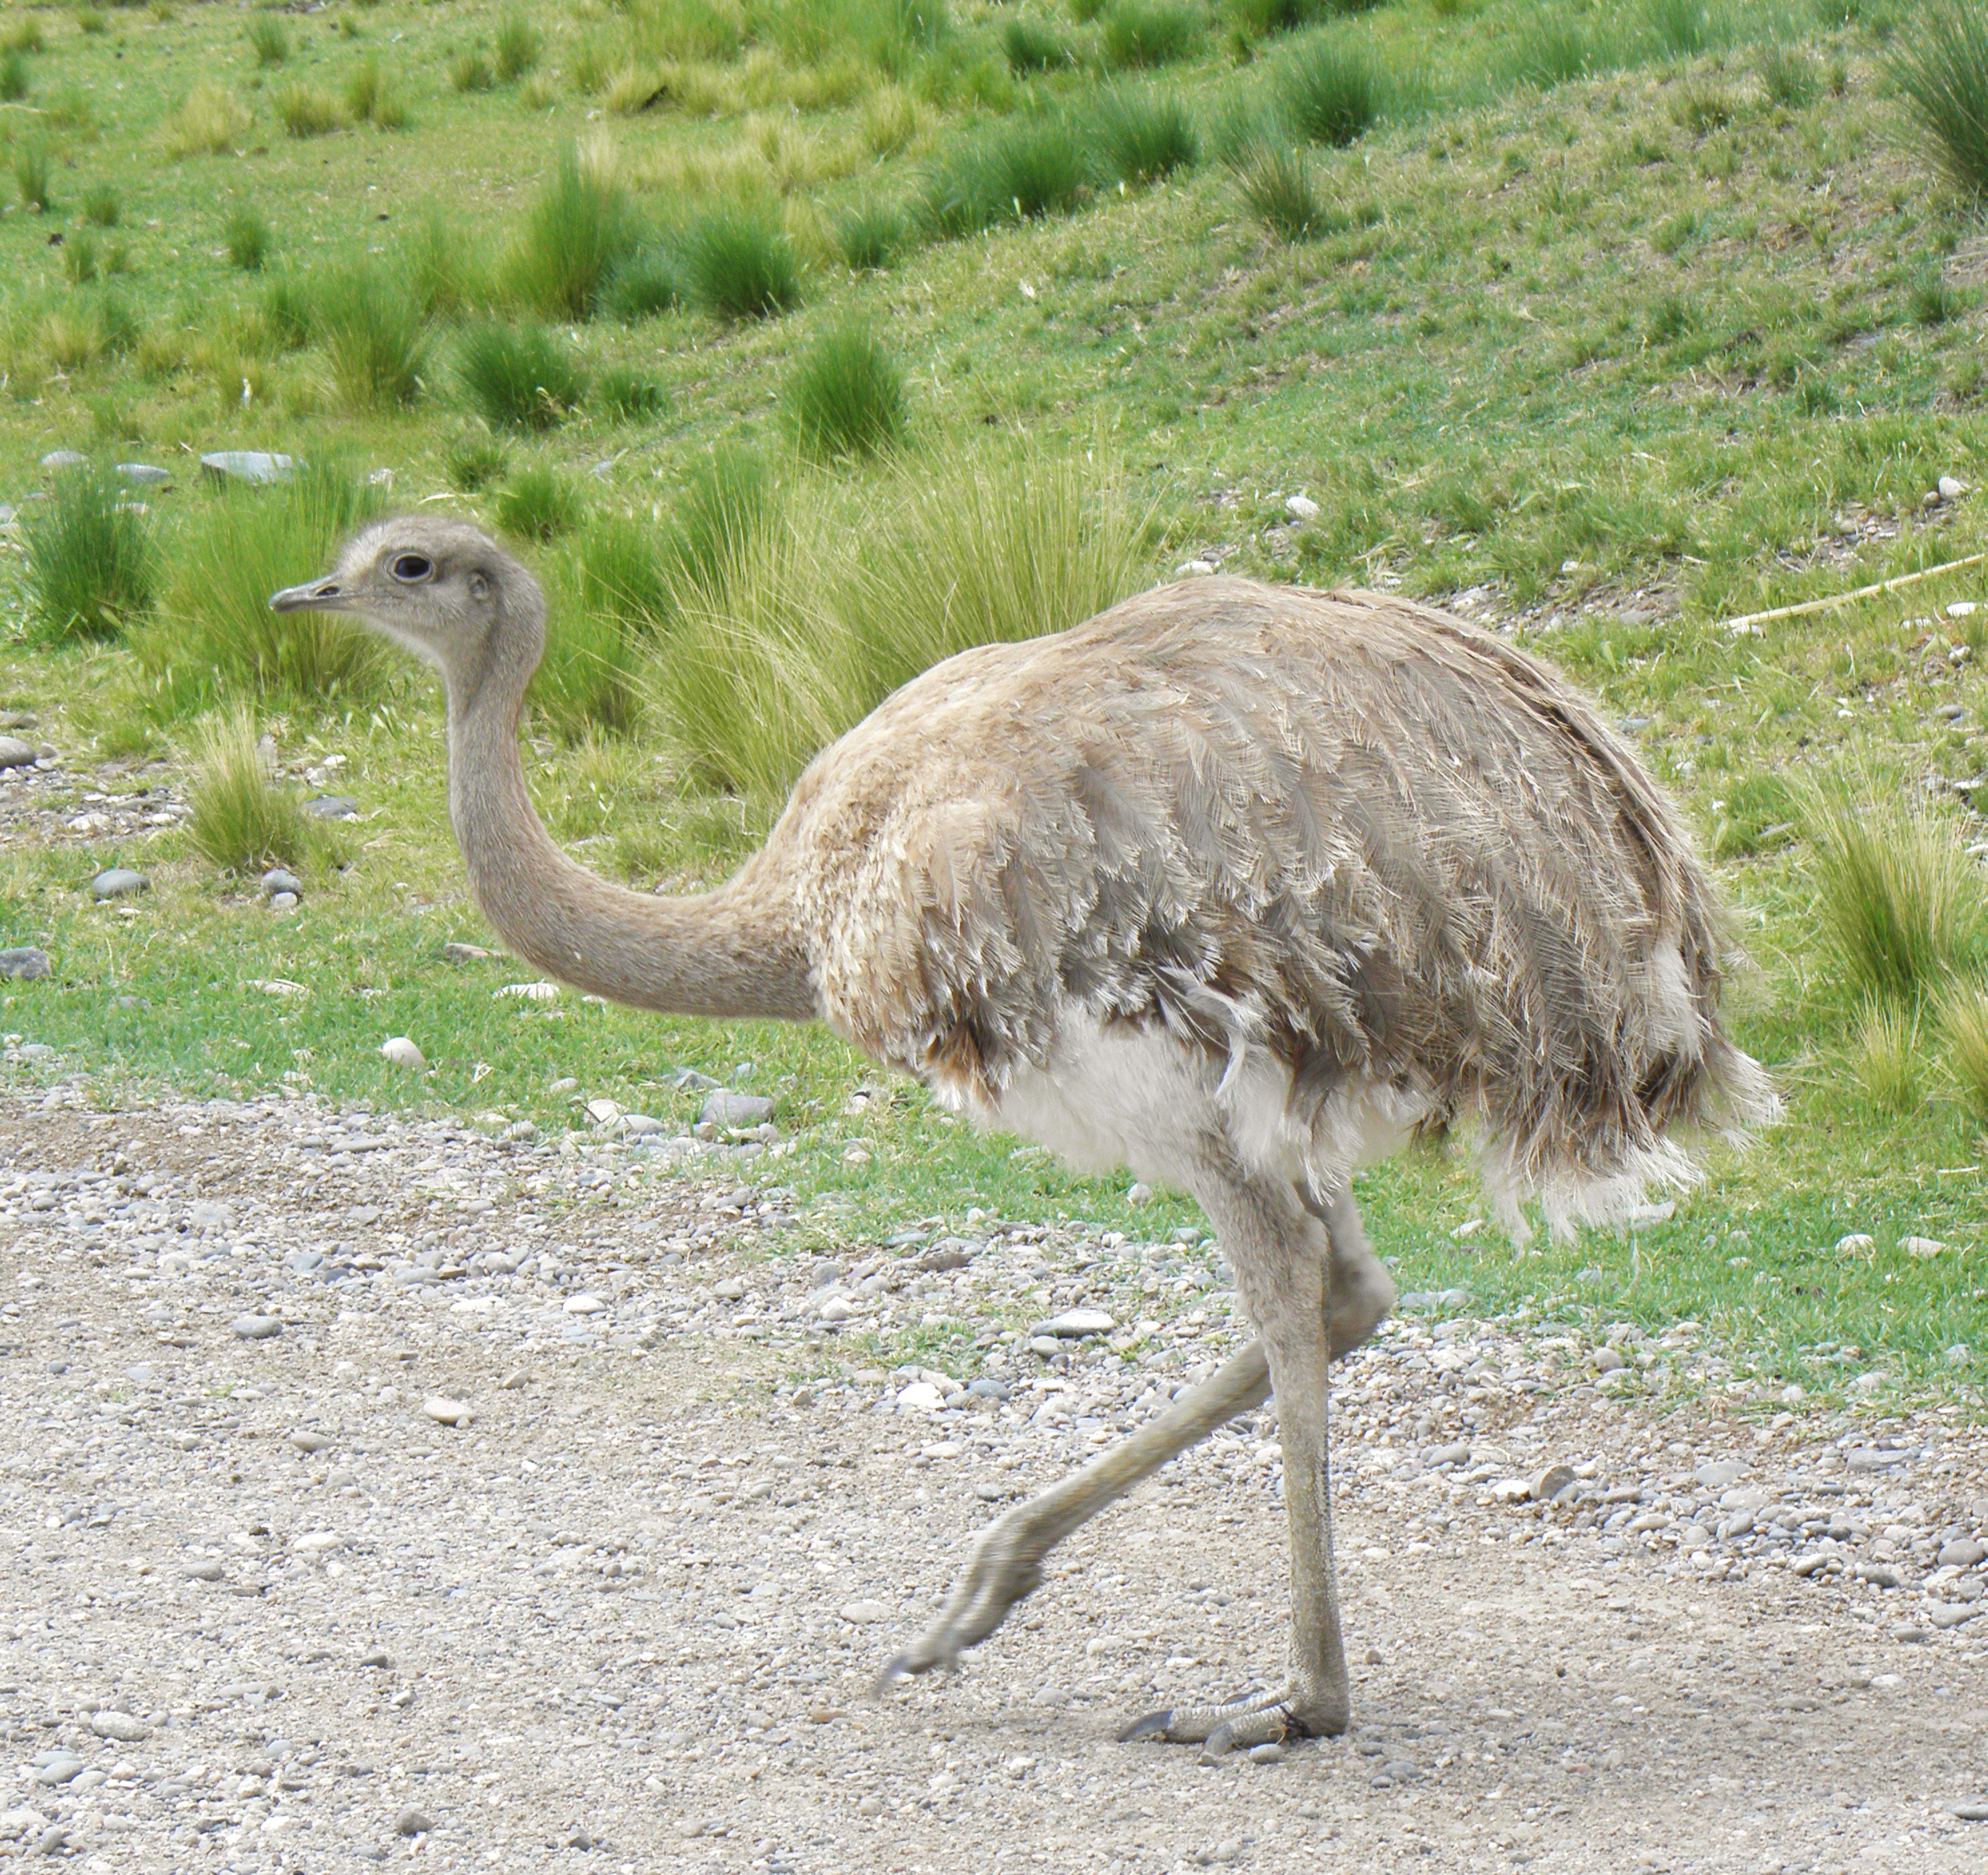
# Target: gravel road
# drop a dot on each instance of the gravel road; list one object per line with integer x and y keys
{"x": 376, "y": 1491}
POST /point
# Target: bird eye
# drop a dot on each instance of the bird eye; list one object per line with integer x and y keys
{"x": 412, "y": 566}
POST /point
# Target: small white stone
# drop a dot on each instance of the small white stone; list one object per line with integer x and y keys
{"x": 837, "y": 1309}
{"x": 1193, "y": 569}
{"x": 1923, "y": 1247}
{"x": 402, "y": 1052}
{"x": 118, "y": 1725}
{"x": 1075, "y": 1323}
{"x": 1301, "y": 507}
{"x": 1859, "y": 1243}
{"x": 1140, "y": 1193}
{"x": 317, "y": 1543}
{"x": 445, "y": 1411}
{"x": 584, "y": 1304}
{"x": 527, "y": 992}
{"x": 921, "y": 1396}
{"x": 1951, "y": 487}
{"x": 603, "y": 1112}
{"x": 1962, "y": 609}
{"x": 864, "y": 1614}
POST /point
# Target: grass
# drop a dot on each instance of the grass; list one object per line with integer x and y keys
{"x": 519, "y": 47}
{"x": 374, "y": 337}
{"x": 93, "y": 564}
{"x": 845, "y": 398}
{"x": 102, "y": 204}
{"x": 1329, "y": 92}
{"x": 1143, "y": 136}
{"x": 872, "y": 235}
{"x": 579, "y": 230}
{"x": 1143, "y": 33}
{"x": 247, "y": 236}
{"x": 1889, "y": 1055}
{"x": 269, "y": 38}
{"x": 1017, "y": 171}
{"x": 240, "y": 819}
{"x": 519, "y": 377}
{"x": 1963, "y": 1021}
{"x": 539, "y": 503}
{"x": 16, "y": 78}
{"x": 642, "y": 284}
{"x": 1899, "y": 901}
{"x": 736, "y": 262}
{"x": 210, "y": 122}
{"x": 1613, "y": 369}
{"x": 471, "y": 70}
{"x": 624, "y": 393}
{"x": 214, "y": 637}
{"x": 1939, "y": 61}
{"x": 33, "y": 174}
{"x": 1279, "y": 191}
{"x": 308, "y": 110}
{"x": 1033, "y": 45}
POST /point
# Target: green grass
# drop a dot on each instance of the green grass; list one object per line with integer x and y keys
{"x": 1939, "y": 61}
{"x": 519, "y": 47}
{"x": 247, "y": 236}
{"x": 240, "y": 820}
{"x": 33, "y": 178}
{"x": 846, "y": 397}
{"x": 736, "y": 262}
{"x": 308, "y": 110}
{"x": 1329, "y": 91}
{"x": 1279, "y": 190}
{"x": 1033, "y": 45}
{"x": 102, "y": 204}
{"x": 580, "y": 229}
{"x": 1143, "y": 136}
{"x": 642, "y": 284}
{"x": 1143, "y": 33}
{"x": 16, "y": 78}
{"x": 93, "y": 565}
{"x": 519, "y": 377}
{"x": 1618, "y": 340}
{"x": 374, "y": 339}
{"x": 539, "y": 503}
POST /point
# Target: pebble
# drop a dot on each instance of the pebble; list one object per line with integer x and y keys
{"x": 1420, "y": 1301}
{"x": 255, "y": 1327}
{"x": 1139, "y": 1193}
{"x": 119, "y": 882}
{"x": 603, "y": 1112}
{"x": 837, "y": 1309}
{"x": 260, "y": 466}
{"x": 1963, "y": 1552}
{"x": 865, "y": 1613}
{"x": 402, "y": 1053}
{"x": 1301, "y": 507}
{"x": 456, "y": 952}
{"x": 445, "y": 1411}
{"x": 921, "y": 1396}
{"x": 1267, "y": 1754}
{"x": 1923, "y": 1247}
{"x": 1606, "y": 1360}
{"x": 284, "y": 901}
{"x": 1549, "y": 1484}
{"x": 527, "y": 992}
{"x": 1951, "y": 487}
{"x": 726, "y": 1109}
{"x": 309, "y": 1441}
{"x": 121, "y": 1726}
{"x": 59, "y": 1771}
{"x": 1974, "y": 1810}
{"x": 342, "y": 807}
{"x": 1074, "y": 1324}
{"x": 276, "y": 880}
{"x": 25, "y": 961}
{"x": 1720, "y": 1473}
{"x": 64, "y": 459}
{"x": 144, "y": 475}
{"x": 16, "y": 754}
{"x": 412, "y": 1822}
{"x": 1859, "y": 1243}
{"x": 584, "y": 1303}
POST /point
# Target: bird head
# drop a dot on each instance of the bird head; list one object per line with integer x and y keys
{"x": 440, "y": 587}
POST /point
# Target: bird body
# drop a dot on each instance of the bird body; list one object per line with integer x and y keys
{"x": 1238, "y": 886}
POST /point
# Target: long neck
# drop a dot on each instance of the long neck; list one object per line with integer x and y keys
{"x": 732, "y": 952}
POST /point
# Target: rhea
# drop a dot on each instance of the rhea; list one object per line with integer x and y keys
{"x": 1237, "y": 887}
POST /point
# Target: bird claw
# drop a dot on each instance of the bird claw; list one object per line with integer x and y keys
{"x": 1002, "y": 1572}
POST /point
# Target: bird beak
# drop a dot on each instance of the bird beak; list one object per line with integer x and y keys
{"x": 313, "y": 596}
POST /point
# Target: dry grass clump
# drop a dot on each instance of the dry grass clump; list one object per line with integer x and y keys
{"x": 1886, "y": 1053}
{"x": 308, "y": 110}
{"x": 1963, "y": 1020}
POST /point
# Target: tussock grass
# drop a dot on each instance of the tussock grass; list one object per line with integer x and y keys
{"x": 93, "y": 564}
{"x": 373, "y": 335}
{"x": 1899, "y": 902}
{"x": 1963, "y": 1023}
{"x": 444, "y": 273}
{"x": 474, "y": 459}
{"x": 1678, "y": 28}
{"x": 1789, "y": 75}
{"x": 1144, "y": 33}
{"x": 724, "y": 498}
{"x": 470, "y": 70}
{"x": 1143, "y": 137}
{"x": 103, "y": 205}
{"x": 872, "y": 235}
{"x": 578, "y": 230}
{"x": 1939, "y": 62}
{"x": 737, "y": 263}
{"x": 539, "y": 503}
{"x": 1887, "y": 1055}
{"x": 240, "y": 819}
{"x": 21, "y": 35}
{"x": 622, "y": 392}
{"x": 1033, "y": 45}
{"x": 215, "y": 635}
{"x": 519, "y": 46}
{"x": 370, "y": 98}
{"x": 845, "y": 398}
{"x": 1279, "y": 191}
{"x": 814, "y": 612}
{"x": 1016, "y": 171}
{"x": 608, "y": 588}
{"x": 1330, "y": 92}
{"x": 33, "y": 178}
{"x": 15, "y": 78}
{"x": 210, "y": 123}
{"x": 247, "y": 236}
{"x": 519, "y": 377}
{"x": 308, "y": 110}
{"x": 641, "y": 286}
{"x": 270, "y": 39}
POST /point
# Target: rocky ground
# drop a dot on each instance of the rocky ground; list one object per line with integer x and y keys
{"x": 378, "y": 1491}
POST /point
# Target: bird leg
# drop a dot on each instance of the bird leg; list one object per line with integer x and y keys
{"x": 1007, "y": 1564}
{"x": 1273, "y": 1245}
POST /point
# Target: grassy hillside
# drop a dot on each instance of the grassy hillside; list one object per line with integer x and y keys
{"x": 797, "y": 344}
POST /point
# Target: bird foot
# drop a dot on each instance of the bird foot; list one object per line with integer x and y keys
{"x": 1253, "y": 1718}
{"x": 1006, "y": 1565}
